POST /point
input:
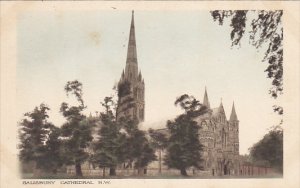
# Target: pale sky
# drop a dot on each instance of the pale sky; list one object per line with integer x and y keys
{"x": 178, "y": 52}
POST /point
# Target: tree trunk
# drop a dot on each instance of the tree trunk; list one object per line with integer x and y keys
{"x": 159, "y": 171}
{"x": 103, "y": 172}
{"x": 183, "y": 172}
{"x": 112, "y": 171}
{"x": 140, "y": 171}
{"x": 36, "y": 171}
{"x": 54, "y": 171}
{"x": 78, "y": 169}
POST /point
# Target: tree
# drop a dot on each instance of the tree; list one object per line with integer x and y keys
{"x": 158, "y": 140}
{"x": 184, "y": 148}
{"x": 35, "y": 135}
{"x": 266, "y": 28}
{"x": 53, "y": 159}
{"x": 76, "y": 132}
{"x": 125, "y": 99}
{"x": 109, "y": 149}
{"x": 269, "y": 150}
{"x": 138, "y": 149}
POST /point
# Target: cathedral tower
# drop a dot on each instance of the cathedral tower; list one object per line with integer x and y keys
{"x": 131, "y": 87}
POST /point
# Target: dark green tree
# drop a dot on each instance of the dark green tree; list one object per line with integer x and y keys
{"x": 184, "y": 148}
{"x": 109, "y": 149}
{"x": 53, "y": 159}
{"x": 76, "y": 132}
{"x": 266, "y": 28}
{"x": 36, "y": 133}
{"x": 269, "y": 150}
{"x": 126, "y": 100}
{"x": 139, "y": 152}
{"x": 158, "y": 140}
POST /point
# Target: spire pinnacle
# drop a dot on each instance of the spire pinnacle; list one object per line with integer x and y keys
{"x": 221, "y": 108}
{"x": 233, "y": 116}
{"x": 205, "y": 99}
{"x": 131, "y": 70}
{"x": 131, "y": 52}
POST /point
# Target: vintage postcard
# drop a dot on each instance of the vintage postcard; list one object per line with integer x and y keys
{"x": 150, "y": 93}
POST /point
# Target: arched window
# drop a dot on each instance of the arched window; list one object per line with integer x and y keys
{"x": 204, "y": 125}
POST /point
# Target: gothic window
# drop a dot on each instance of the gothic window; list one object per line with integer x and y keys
{"x": 136, "y": 93}
{"x": 214, "y": 142}
{"x": 141, "y": 113}
{"x": 204, "y": 125}
{"x": 225, "y": 139}
{"x": 134, "y": 112}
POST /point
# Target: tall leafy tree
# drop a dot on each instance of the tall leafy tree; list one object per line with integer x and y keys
{"x": 139, "y": 151}
{"x": 109, "y": 149}
{"x": 76, "y": 132}
{"x": 53, "y": 159}
{"x": 158, "y": 140}
{"x": 265, "y": 29}
{"x": 184, "y": 148}
{"x": 124, "y": 92}
{"x": 269, "y": 150}
{"x": 35, "y": 134}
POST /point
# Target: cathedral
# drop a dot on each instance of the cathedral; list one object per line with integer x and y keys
{"x": 219, "y": 136}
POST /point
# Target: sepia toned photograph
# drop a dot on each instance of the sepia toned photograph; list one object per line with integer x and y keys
{"x": 133, "y": 93}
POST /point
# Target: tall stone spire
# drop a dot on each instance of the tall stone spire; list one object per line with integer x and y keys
{"x": 131, "y": 70}
{"x": 205, "y": 99}
{"x": 233, "y": 116}
{"x": 131, "y": 85}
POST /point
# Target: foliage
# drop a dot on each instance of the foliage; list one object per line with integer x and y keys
{"x": 266, "y": 28}
{"x": 190, "y": 105}
{"x": 37, "y": 136}
{"x": 139, "y": 151}
{"x": 53, "y": 159}
{"x": 77, "y": 130}
{"x": 109, "y": 149}
{"x": 158, "y": 140}
{"x": 269, "y": 150}
{"x": 124, "y": 89}
{"x": 184, "y": 148}
{"x": 126, "y": 101}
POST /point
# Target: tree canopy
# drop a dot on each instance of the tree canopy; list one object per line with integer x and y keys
{"x": 37, "y": 137}
{"x": 265, "y": 29}
{"x": 184, "y": 148}
{"x": 77, "y": 130}
{"x": 269, "y": 150}
{"x": 109, "y": 150}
